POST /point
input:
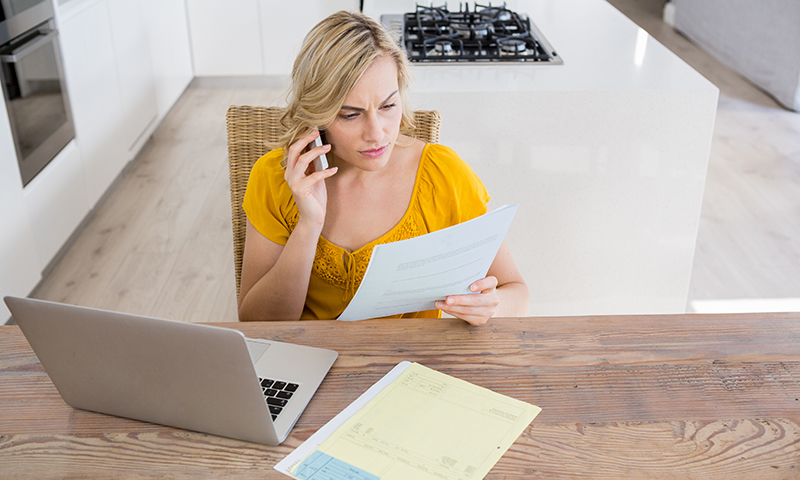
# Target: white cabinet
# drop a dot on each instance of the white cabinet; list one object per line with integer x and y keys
{"x": 253, "y": 37}
{"x": 56, "y": 203}
{"x": 225, "y": 37}
{"x": 18, "y": 260}
{"x": 111, "y": 83}
{"x": 92, "y": 82}
{"x": 281, "y": 38}
{"x": 134, "y": 70}
{"x": 168, "y": 34}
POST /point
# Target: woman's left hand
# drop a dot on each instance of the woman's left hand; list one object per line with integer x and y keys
{"x": 475, "y": 308}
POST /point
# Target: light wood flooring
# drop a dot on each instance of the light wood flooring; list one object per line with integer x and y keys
{"x": 161, "y": 245}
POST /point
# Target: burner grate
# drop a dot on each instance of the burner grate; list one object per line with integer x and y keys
{"x": 484, "y": 33}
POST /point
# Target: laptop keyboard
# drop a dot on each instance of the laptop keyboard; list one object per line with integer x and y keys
{"x": 277, "y": 394}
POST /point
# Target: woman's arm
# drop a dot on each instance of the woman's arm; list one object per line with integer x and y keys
{"x": 275, "y": 277}
{"x": 503, "y": 293}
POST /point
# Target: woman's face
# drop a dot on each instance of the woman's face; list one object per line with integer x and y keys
{"x": 366, "y": 129}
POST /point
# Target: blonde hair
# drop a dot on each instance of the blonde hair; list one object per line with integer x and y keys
{"x": 334, "y": 55}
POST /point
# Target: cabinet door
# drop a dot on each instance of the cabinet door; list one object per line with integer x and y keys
{"x": 56, "y": 203}
{"x": 285, "y": 24}
{"x": 168, "y": 33}
{"x": 19, "y": 270}
{"x": 226, "y": 39}
{"x": 93, "y": 86}
{"x": 134, "y": 69}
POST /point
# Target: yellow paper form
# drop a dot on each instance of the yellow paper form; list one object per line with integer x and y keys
{"x": 424, "y": 425}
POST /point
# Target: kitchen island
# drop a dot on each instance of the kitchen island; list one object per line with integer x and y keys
{"x": 606, "y": 155}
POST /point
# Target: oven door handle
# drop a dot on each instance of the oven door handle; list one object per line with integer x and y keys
{"x": 19, "y": 53}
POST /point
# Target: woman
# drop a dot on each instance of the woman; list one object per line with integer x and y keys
{"x": 310, "y": 234}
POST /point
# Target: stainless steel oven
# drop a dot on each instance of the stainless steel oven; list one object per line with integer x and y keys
{"x": 33, "y": 84}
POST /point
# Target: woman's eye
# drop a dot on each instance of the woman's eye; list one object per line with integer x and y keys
{"x": 349, "y": 116}
{"x": 389, "y": 106}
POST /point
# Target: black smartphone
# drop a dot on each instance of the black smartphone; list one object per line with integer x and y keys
{"x": 321, "y": 162}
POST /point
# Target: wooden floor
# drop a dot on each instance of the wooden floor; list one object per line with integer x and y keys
{"x": 161, "y": 242}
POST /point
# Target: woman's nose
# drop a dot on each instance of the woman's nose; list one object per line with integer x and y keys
{"x": 373, "y": 129}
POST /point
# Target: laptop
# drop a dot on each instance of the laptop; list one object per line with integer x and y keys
{"x": 197, "y": 377}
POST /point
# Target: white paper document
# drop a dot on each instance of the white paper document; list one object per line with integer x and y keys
{"x": 307, "y": 448}
{"x": 415, "y": 423}
{"x": 410, "y": 275}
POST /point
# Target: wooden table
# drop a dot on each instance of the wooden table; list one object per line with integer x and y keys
{"x": 687, "y": 396}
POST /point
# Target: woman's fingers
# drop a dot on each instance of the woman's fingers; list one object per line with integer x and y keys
{"x": 298, "y": 159}
{"x": 484, "y": 284}
{"x": 296, "y": 149}
{"x": 477, "y": 308}
{"x": 307, "y": 186}
{"x": 298, "y": 175}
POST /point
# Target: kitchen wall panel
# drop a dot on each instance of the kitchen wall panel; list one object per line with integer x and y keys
{"x": 93, "y": 85}
{"x": 281, "y": 38}
{"x": 168, "y": 36}
{"x": 134, "y": 70}
{"x": 225, "y": 36}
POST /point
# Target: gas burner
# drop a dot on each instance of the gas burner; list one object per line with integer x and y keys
{"x": 431, "y": 14}
{"x": 443, "y": 47}
{"x": 499, "y": 14}
{"x": 471, "y": 31}
{"x": 477, "y": 33}
{"x": 511, "y": 45}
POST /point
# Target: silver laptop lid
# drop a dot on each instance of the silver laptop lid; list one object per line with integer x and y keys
{"x": 192, "y": 376}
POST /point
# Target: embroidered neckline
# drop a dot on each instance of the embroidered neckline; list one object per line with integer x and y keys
{"x": 331, "y": 261}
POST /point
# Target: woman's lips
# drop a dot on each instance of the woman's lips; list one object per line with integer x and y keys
{"x": 375, "y": 152}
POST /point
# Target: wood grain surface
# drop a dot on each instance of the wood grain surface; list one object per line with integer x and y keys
{"x": 684, "y": 396}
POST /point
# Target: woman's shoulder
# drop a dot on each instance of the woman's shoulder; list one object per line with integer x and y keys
{"x": 267, "y": 182}
{"x": 268, "y": 201}
{"x": 443, "y": 163}
{"x": 269, "y": 164}
{"x": 441, "y": 153}
{"x": 449, "y": 190}
{"x": 267, "y": 174}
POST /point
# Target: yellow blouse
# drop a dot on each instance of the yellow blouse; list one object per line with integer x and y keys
{"x": 447, "y": 192}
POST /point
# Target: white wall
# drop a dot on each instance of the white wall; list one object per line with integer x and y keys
{"x": 759, "y": 40}
{"x": 253, "y": 37}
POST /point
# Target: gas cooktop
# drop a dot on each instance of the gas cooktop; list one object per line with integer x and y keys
{"x": 485, "y": 33}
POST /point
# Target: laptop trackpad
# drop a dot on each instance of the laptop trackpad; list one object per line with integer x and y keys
{"x": 256, "y": 349}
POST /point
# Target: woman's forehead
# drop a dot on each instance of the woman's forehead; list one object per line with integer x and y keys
{"x": 377, "y": 84}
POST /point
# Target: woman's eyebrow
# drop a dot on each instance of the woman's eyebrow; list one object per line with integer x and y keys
{"x": 359, "y": 109}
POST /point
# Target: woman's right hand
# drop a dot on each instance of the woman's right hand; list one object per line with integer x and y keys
{"x": 308, "y": 189}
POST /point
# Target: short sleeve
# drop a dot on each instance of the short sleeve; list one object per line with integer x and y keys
{"x": 450, "y": 191}
{"x": 268, "y": 201}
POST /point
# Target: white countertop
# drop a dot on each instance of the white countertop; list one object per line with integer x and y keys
{"x": 601, "y": 48}
{"x": 606, "y": 155}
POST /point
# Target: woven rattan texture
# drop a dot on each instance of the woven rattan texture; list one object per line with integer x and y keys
{"x": 250, "y": 130}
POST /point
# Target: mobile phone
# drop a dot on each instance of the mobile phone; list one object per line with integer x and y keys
{"x": 321, "y": 162}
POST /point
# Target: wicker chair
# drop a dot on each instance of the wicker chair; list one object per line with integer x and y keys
{"x": 249, "y": 131}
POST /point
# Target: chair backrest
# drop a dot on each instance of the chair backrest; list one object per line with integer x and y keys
{"x": 250, "y": 129}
